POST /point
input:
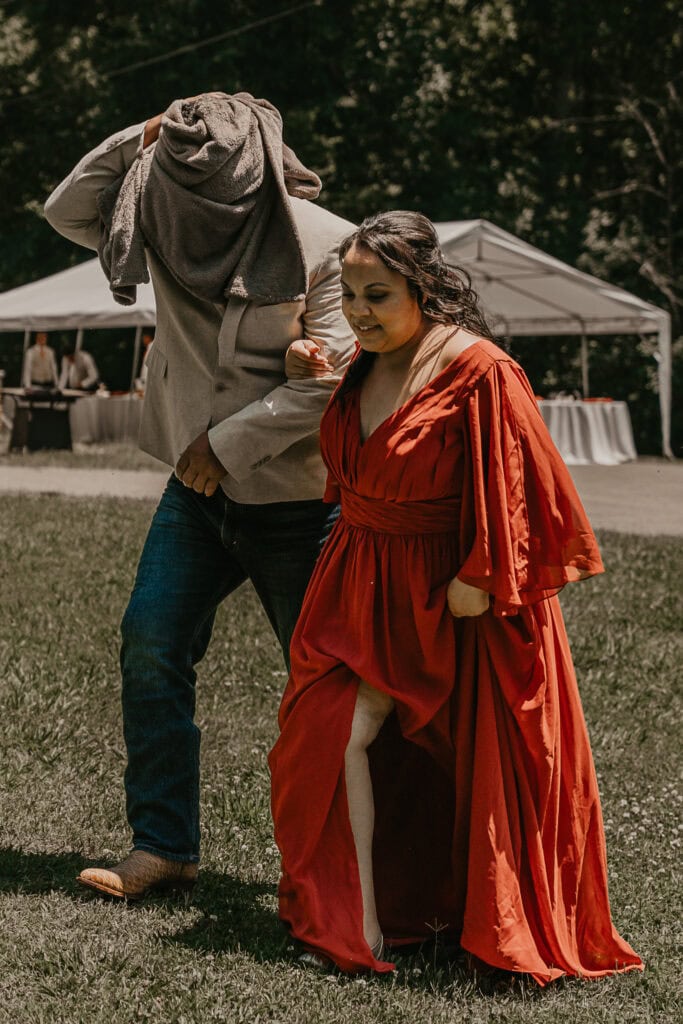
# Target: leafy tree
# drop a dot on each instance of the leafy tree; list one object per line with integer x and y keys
{"x": 560, "y": 122}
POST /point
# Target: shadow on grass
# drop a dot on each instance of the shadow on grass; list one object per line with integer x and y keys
{"x": 236, "y": 918}
{"x": 239, "y": 917}
{"x": 22, "y": 872}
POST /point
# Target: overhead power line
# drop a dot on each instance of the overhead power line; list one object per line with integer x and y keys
{"x": 188, "y": 48}
{"x": 212, "y": 39}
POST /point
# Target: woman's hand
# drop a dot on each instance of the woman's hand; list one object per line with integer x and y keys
{"x": 465, "y": 601}
{"x": 305, "y": 358}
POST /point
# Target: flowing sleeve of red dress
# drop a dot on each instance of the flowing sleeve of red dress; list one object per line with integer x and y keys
{"x": 526, "y": 533}
{"x": 537, "y": 869}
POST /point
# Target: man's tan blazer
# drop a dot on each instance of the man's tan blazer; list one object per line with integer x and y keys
{"x": 220, "y": 366}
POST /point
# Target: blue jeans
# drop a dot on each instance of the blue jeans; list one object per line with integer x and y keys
{"x": 198, "y": 550}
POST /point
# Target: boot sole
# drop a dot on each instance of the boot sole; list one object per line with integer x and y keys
{"x": 165, "y": 887}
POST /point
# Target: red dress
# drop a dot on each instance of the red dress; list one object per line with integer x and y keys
{"x": 488, "y": 821}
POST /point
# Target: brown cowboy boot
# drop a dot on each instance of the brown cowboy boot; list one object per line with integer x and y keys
{"x": 139, "y": 874}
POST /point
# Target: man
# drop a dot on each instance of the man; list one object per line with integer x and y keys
{"x": 240, "y": 270}
{"x": 79, "y": 370}
{"x": 141, "y": 380}
{"x": 40, "y": 365}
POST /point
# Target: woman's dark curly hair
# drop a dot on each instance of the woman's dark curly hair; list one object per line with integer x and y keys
{"x": 407, "y": 243}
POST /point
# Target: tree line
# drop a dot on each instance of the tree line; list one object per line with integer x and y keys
{"x": 560, "y": 121}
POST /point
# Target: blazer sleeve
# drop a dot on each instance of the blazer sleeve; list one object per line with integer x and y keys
{"x": 292, "y": 411}
{"x": 524, "y": 532}
{"x": 72, "y": 207}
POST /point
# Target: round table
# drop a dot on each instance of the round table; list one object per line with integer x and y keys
{"x": 587, "y": 433}
{"x": 115, "y": 418}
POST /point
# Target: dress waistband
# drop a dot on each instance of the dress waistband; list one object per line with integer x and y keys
{"x": 406, "y": 517}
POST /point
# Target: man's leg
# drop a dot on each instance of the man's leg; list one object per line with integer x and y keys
{"x": 278, "y": 545}
{"x": 197, "y": 551}
{"x": 184, "y": 573}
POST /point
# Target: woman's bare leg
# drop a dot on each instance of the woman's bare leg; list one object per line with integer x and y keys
{"x": 372, "y": 708}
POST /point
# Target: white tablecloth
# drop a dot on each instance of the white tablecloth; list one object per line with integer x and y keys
{"x": 584, "y": 432}
{"x": 96, "y": 419}
{"x": 590, "y": 432}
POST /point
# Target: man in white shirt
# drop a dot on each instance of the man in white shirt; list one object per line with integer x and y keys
{"x": 147, "y": 343}
{"x": 79, "y": 371}
{"x": 40, "y": 365}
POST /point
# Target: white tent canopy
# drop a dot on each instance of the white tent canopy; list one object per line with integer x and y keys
{"x": 526, "y": 292}
{"x": 74, "y": 298}
{"x": 523, "y": 290}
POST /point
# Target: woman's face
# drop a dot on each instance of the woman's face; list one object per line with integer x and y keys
{"x": 378, "y": 304}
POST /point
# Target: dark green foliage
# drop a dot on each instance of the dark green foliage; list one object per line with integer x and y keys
{"x": 562, "y": 123}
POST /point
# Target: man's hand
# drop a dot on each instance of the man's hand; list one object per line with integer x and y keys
{"x": 151, "y": 131}
{"x": 199, "y": 468}
{"x": 465, "y": 601}
{"x": 152, "y": 127}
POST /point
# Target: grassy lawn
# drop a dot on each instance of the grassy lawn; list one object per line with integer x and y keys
{"x": 67, "y": 567}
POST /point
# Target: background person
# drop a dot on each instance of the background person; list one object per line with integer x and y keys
{"x": 433, "y": 771}
{"x": 242, "y": 264}
{"x": 147, "y": 343}
{"x": 79, "y": 370}
{"x": 39, "y": 369}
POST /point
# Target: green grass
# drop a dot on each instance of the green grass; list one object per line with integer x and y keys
{"x": 67, "y": 567}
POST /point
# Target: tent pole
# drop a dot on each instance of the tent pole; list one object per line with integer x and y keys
{"x": 133, "y": 375}
{"x": 79, "y": 339}
{"x": 27, "y": 342}
{"x": 584, "y": 366}
{"x": 664, "y": 381}
{"x": 136, "y": 357}
{"x": 503, "y": 339}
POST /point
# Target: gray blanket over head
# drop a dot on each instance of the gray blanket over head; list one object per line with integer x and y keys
{"x": 211, "y": 198}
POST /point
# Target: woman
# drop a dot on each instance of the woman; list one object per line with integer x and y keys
{"x": 433, "y": 770}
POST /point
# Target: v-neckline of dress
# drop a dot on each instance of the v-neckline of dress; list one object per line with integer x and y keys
{"x": 431, "y": 383}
